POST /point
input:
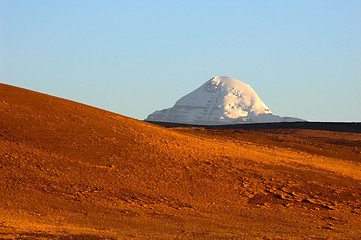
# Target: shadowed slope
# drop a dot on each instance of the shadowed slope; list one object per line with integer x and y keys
{"x": 71, "y": 169}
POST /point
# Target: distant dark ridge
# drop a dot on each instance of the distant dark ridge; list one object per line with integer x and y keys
{"x": 352, "y": 127}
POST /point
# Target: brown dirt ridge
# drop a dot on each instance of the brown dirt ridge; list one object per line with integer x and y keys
{"x": 72, "y": 171}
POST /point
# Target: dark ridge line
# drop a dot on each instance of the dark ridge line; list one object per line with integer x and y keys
{"x": 349, "y": 127}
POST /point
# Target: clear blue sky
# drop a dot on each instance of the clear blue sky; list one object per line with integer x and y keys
{"x": 303, "y": 58}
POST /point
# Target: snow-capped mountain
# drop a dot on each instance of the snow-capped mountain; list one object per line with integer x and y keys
{"x": 221, "y": 100}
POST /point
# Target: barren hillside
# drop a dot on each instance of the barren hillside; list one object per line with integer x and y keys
{"x": 68, "y": 170}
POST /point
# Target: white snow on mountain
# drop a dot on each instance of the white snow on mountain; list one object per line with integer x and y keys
{"x": 221, "y": 100}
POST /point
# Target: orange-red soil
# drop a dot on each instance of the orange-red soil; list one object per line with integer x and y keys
{"x": 68, "y": 170}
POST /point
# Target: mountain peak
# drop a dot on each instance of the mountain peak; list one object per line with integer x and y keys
{"x": 220, "y": 100}
{"x": 226, "y": 81}
{"x": 223, "y": 79}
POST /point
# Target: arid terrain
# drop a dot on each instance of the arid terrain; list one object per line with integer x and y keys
{"x": 71, "y": 171}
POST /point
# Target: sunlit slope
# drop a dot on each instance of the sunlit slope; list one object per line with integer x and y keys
{"x": 71, "y": 169}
